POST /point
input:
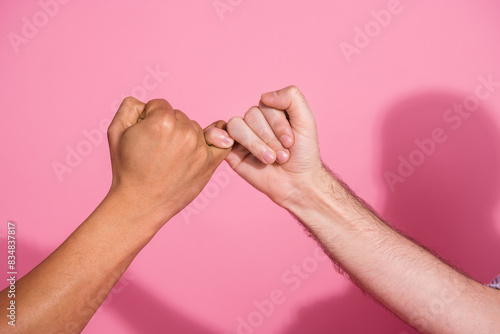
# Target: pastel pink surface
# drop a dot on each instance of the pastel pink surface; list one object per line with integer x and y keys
{"x": 233, "y": 247}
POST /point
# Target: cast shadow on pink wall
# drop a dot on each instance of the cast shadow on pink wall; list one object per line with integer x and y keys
{"x": 444, "y": 199}
{"x": 137, "y": 307}
{"x": 446, "y": 203}
{"x": 154, "y": 316}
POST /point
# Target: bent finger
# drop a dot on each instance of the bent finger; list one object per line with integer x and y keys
{"x": 279, "y": 124}
{"x": 239, "y": 130}
{"x": 256, "y": 120}
{"x": 216, "y": 135}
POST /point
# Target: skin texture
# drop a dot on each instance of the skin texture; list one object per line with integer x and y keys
{"x": 160, "y": 162}
{"x": 407, "y": 279}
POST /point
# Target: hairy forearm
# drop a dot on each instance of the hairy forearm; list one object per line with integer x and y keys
{"x": 65, "y": 290}
{"x": 407, "y": 279}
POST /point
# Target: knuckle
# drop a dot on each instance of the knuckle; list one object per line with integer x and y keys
{"x": 280, "y": 126}
{"x": 156, "y": 102}
{"x": 161, "y": 104}
{"x": 293, "y": 89}
{"x": 252, "y": 114}
{"x": 166, "y": 122}
{"x": 163, "y": 123}
{"x": 233, "y": 123}
{"x": 274, "y": 143}
{"x": 190, "y": 137}
{"x": 130, "y": 101}
{"x": 196, "y": 125}
{"x": 252, "y": 146}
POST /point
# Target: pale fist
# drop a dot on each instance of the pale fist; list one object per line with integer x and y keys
{"x": 279, "y": 157}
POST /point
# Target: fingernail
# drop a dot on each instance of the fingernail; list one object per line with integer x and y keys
{"x": 274, "y": 94}
{"x": 282, "y": 156}
{"x": 269, "y": 157}
{"x": 286, "y": 140}
{"x": 228, "y": 141}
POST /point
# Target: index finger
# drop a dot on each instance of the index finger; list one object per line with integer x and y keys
{"x": 279, "y": 123}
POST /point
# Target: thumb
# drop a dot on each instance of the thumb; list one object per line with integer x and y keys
{"x": 291, "y": 100}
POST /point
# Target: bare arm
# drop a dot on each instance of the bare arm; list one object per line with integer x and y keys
{"x": 64, "y": 291}
{"x": 418, "y": 287}
{"x": 414, "y": 284}
{"x": 160, "y": 163}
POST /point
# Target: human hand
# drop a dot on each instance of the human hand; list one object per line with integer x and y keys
{"x": 277, "y": 156}
{"x": 160, "y": 159}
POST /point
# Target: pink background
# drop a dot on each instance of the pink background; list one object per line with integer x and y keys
{"x": 232, "y": 247}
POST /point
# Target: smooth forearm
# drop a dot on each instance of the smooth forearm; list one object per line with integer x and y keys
{"x": 410, "y": 281}
{"x": 74, "y": 280}
{"x": 160, "y": 162}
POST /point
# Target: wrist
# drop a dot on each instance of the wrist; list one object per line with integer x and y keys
{"x": 114, "y": 230}
{"x": 326, "y": 200}
{"x": 131, "y": 211}
{"x": 313, "y": 197}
